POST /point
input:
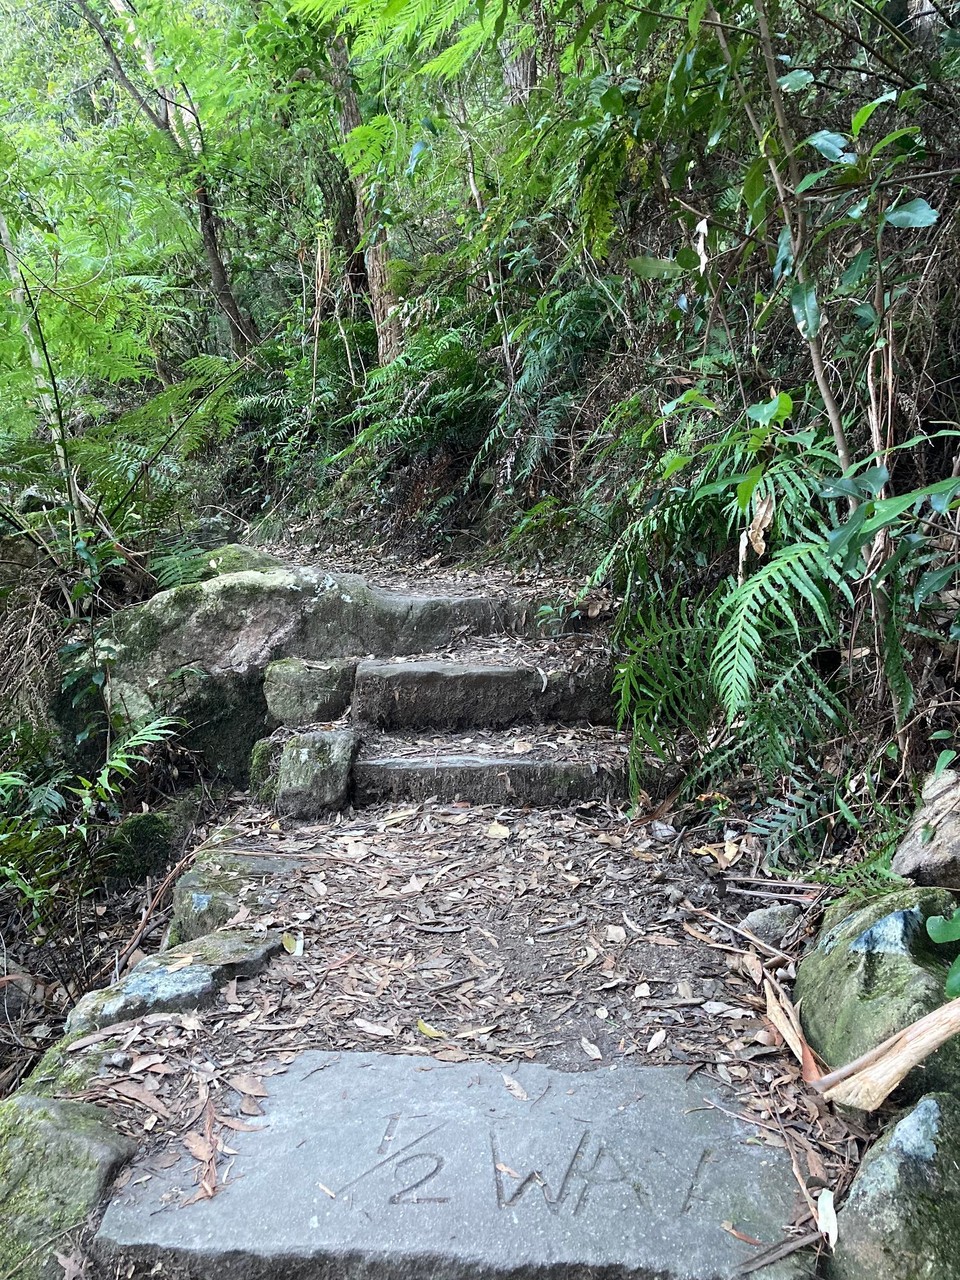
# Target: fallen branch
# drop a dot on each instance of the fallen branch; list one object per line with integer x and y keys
{"x": 867, "y": 1081}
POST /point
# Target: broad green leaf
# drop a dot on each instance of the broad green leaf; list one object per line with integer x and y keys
{"x": 857, "y": 269}
{"x": 833, "y": 146}
{"x": 811, "y": 180}
{"x": 611, "y": 100}
{"x": 915, "y": 213}
{"x": 748, "y": 486}
{"x": 806, "y": 309}
{"x": 931, "y": 584}
{"x": 776, "y": 410}
{"x": 861, "y": 117}
{"x": 943, "y": 928}
{"x": 944, "y": 760}
{"x": 655, "y": 268}
{"x": 952, "y": 988}
{"x": 794, "y": 81}
{"x": 695, "y": 15}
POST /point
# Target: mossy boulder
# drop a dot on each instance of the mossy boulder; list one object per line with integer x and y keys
{"x": 901, "y": 1220}
{"x": 315, "y": 772}
{"x": 872, "y": 973}
{"x": 57, "y": 1159}
{"x": 298, "y": 692}
{"x": 140, "y": 846}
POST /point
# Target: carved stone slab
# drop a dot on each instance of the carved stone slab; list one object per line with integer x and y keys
{"x": 403, "y": 1168}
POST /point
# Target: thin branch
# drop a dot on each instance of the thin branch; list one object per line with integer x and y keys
{"x": 155, "y": 118}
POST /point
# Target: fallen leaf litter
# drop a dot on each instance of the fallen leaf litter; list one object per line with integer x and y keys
{"x": 465, "y": 933}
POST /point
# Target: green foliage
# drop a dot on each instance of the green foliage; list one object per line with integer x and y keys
{"x": 943, "y": 930}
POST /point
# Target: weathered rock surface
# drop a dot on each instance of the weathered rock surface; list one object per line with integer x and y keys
{"x": 483, "y": 779}
{"x": 771, "y": 924}
{"x": 929, "y": 852}
{"x": 299, "y": 692}
{"x": 315, "y": 772}
{"x": 872, "y": 973}
{"x": 199, "y": 651}
{"x": 234, "y": 557}
{"x": 900, "y": 1221}
{"x": 386, "y": 1167}
{"x": 449, "y": 694}
{"x": 218, "y": 883}
{"x": 187, "y": 976}
{"x": 56, "y": 1161}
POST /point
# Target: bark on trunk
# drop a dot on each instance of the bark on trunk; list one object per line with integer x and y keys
{"x": 371, "y": 236}
{"x": 243, "y": 333}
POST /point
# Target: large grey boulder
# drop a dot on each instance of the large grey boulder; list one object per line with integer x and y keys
{"x": 929, "y": 852}
{"x": 56, "y": 1161}
{"x": 186, "y": 977}
{"x": 199, "y": 651}
{"x": 901, "y": 1219}
{"x": 872, "y": 973}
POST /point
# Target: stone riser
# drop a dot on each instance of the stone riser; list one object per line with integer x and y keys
{"x": 320, "y": 772}
{"x": 432, "y": 694}
{"x": 450, "y": 695}
{"x": 501, "y": 782}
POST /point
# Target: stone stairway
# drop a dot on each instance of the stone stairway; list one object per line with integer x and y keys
{"x": 412, "y": 1164}
{"x": 494, "y": 718}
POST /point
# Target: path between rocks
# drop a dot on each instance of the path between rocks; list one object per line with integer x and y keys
{"x": 455, "y": 1013}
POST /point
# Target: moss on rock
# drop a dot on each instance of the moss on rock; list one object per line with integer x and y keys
{"x": 56, "y": 1161}
{"x": 234, "y": 557}
{"x": 872, "y": 973}
{"x": 140, "y": 846}
{"x": 264, "y": 769}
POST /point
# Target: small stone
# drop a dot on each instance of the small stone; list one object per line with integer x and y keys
{"x": 771, "y": 924}
{"x": 183, "y": 978}
{"x": 929, "y": 852}
{"x": 56, "y": 1161}
{"x": 315, "y": 772}
{"x": 900, "y": 1220}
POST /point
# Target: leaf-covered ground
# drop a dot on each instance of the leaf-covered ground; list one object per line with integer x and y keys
{"x": 579, "y": 937}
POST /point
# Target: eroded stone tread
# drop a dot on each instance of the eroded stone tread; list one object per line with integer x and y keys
{"x": 377, "y": 1165}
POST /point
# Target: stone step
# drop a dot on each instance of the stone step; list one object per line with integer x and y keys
{"x": 452, "y": 694}
{"x": 550, "y": 768}
{"x": 388, "y": 1167}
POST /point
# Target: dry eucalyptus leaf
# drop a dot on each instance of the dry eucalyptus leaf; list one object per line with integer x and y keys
{"x": 590, "y": 1049}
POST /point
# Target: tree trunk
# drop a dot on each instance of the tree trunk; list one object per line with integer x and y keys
{"x": 182, "y": 126}
{"x": 243, "y": 332}
{"x": 371, "y": 236}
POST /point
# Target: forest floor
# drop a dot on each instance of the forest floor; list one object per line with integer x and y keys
{"x": 576, "y": 937}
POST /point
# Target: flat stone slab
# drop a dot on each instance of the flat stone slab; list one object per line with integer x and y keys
{"x": 448, "y": 694}
{"x": 386, "y": 1167}
{"x": 484, "y": 780}
{"x": 187, "y": 976}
